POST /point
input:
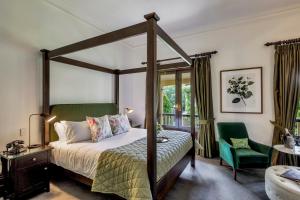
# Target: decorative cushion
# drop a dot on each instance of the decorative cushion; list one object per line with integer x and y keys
{"x": 119, "y": 123}
{"x": 77, "y": 131}
{"x": 100, "y": 128}
{"x": 60, "y": 129}
{"x": 249, "y": 156}
{"x": 240, "y": 143}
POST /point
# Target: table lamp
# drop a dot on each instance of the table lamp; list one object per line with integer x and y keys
{"x": 48, "y": 119}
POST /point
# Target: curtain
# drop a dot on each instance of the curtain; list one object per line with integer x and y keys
{"x": 203, "y": 94}
{"x": 157, "y": 100}
{"x": 286, "y": 90}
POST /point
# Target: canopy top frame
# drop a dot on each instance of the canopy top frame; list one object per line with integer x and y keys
{"x": 114, "y": 36}
{"x": 152, "y": 29}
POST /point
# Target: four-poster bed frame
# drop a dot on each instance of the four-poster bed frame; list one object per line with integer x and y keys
{"x": 150, "y": 27}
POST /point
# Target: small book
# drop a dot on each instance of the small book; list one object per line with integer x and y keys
{"x": 292, "y": 174}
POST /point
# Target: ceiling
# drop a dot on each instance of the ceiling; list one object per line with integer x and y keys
{"x": 178, "y": 17}
{"x": 54, "y": 23}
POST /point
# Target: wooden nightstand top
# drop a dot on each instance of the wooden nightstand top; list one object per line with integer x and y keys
{"x": 26, "y": 153}
{"x": 136, "y": 125}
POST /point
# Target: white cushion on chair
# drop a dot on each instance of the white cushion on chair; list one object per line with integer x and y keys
{"x": 279, "y": 188}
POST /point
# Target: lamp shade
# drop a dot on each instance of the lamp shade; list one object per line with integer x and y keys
{"x": 50, "y": 118}
{"x": 128, "y": 110}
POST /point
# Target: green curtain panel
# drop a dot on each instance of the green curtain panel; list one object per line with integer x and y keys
{"x": 203, "y": 94}
{"x": 286, "y": 92}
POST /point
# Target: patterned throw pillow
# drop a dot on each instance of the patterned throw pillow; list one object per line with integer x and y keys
{"x": 241, "y": 143}
{"x": 100, "y": 128}
{"x": 119, "y": 124}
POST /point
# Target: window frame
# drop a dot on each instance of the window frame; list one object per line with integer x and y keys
{"x": 178, "y": 99}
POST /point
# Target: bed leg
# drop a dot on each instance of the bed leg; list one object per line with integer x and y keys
{"x": 193, "y": 161}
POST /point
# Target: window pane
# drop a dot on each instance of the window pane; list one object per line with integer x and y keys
{"x": 186, "y": 99}
{"x": 297, "y": 124}
{"x": 168, "y": 99}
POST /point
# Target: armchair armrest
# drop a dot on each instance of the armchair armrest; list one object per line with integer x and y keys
{"x": 261, "y": 148}
{"x": 226, "y": 152}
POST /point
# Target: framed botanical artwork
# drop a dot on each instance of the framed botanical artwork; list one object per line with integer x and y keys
{"x": 241, "y": 90}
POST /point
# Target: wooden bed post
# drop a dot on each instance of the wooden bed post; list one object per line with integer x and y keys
{"x": 151, "y": 82}
{"x": 46, "y": 95}
{"x": 193, "y": 132}
{"x": 117, "y": 90}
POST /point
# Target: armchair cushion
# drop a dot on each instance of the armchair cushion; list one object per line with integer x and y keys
{"x": 241, "y": 143}
{"x": 249, "y": 156}
{"x": 261, "y": 148}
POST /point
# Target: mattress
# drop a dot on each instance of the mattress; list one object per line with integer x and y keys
{"x": 82, "y": 157}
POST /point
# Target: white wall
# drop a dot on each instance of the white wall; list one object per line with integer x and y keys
{"x": 21, "y": 88}
{"x": 25, "y": 28}
{"x": 69, "y": 84}
{"x": 239, "y": 46}
{"x": 20, "y": 81}
{"x": 132, "y": 95}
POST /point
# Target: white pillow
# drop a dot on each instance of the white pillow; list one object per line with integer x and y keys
{"x": 60, "y": 129}
{"x": 77, "y": 131}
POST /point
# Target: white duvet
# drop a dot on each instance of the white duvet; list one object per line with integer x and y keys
{"x": 82, "y": 157}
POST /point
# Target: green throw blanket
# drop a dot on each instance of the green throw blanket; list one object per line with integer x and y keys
{"x": 123, "y": 170}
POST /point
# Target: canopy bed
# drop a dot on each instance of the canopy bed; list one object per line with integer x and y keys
{"x": 160, "y": 181}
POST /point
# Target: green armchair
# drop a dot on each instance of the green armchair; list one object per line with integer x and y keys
{"x": 259, "y": 156}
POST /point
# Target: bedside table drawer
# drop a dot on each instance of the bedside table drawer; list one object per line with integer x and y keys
{"x": 31, "y": 160}
{"x": 32, "y": 177}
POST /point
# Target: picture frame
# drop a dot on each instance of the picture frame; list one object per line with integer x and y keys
{"x": 241, "y": 90}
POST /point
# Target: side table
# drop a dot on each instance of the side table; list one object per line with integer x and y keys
{"x": 283, "y": 152}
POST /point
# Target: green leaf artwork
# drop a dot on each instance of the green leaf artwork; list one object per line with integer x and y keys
{"x": 240, "y": 87}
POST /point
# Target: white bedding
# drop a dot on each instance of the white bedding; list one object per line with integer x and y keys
{"x": 82, "y": 157}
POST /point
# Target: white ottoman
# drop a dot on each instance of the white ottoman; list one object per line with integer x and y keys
{"x": 278, "y": 188}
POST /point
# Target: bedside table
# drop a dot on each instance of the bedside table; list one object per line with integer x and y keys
{"x": 136, "y": 125}
{"x": 26, "y": 173}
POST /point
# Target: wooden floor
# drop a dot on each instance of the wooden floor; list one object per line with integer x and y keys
{"x": 208, "y": 181}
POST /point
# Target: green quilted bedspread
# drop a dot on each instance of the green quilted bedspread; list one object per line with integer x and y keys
{"x": 123, "y": 170}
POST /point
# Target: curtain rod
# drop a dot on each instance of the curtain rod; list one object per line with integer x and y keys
{"x": 191, "y": 56}
{"x": 282, "y": 42}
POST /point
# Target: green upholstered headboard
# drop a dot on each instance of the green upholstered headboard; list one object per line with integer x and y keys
{"x": 78, "y": 112}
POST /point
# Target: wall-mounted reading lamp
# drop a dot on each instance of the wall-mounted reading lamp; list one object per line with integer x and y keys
{"x": 128, "y": 110}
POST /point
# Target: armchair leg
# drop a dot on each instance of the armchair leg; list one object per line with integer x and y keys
{"x": 221, "y": 161}
{"x": 234, "y": 174}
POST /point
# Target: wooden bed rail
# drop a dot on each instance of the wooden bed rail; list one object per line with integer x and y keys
{"x": 106, "y": 38}
{"x": 77, "y": 63}
{"x": 172, "y": 44}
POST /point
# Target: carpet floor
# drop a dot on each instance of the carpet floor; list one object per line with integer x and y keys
{"x": 209, "y": 181}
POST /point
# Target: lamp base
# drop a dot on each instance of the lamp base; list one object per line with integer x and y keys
{"x": 33, "y": 146}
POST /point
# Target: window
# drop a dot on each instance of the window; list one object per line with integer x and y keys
{"x": 297, "y": 124}
{"x": 175, "y": 100}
